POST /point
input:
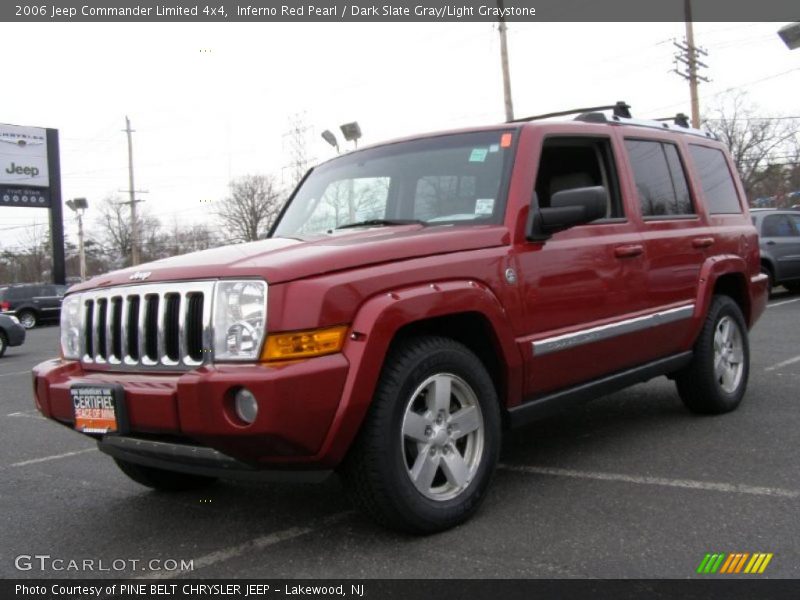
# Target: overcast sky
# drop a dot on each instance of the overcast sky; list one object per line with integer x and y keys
{"x": 214, "y": 101}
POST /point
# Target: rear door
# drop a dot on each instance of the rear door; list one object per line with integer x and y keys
{"x": 780, "y": 233}
{"x": 676, "y": 236}
{"x": 47, "y": 301}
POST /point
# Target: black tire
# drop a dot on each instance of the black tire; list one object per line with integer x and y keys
{"x": 378, "y": 470}
{"x": 163, "y": 480}
{"x": 3, "y": 343}
{"x": 27, "y": 319}
{"x": 702, "y": 389}
{"x": 792, "y": 286}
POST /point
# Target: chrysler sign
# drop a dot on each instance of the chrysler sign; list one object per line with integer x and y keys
{"x": 24, "y": 174}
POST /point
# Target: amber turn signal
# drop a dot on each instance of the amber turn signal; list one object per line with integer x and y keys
{"x": 304, "y": 344}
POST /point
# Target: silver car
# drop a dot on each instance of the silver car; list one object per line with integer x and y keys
{"x": 779, "y": 240}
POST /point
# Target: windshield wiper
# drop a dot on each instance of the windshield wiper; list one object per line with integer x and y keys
{"x": 382, "y": 223}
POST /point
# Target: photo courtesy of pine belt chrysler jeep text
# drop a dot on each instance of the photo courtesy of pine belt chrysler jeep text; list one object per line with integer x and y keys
{"x": 414, "y": 300}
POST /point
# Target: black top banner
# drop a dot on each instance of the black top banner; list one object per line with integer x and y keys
{"x": 398, "y": 589}
{"x": 399, "y": 10}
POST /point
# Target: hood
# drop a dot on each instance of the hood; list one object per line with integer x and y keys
{"x": 284, "y": 259}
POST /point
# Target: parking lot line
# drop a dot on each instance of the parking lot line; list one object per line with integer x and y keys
{"x": 254, "y": 544}
{"x": 30, "y": 414}
{"x": 773, "y": 305}
{"x": 33, "y": 461}
{"x": 14, "y": 373}
{"x": 734, "y": 488}
{"x": 784, "y": 363}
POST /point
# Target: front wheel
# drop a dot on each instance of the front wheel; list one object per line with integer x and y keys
{"x": 429, "y": 445}
{"x": 27, "y": 319}
{"x": 161, "y": 479}
{"x": 716, "y": 379}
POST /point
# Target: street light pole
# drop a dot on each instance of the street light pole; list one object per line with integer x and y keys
{"x": 81, "y": 252}
{"x": 78, "y": 205}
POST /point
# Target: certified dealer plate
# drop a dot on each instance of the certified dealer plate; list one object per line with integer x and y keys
{"x": 98, "y": 408}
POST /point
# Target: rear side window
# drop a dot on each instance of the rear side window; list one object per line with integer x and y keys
{"x": 715, "y": 177}
{"x": 778, "y": 226}
{"x": 660, "y": 179}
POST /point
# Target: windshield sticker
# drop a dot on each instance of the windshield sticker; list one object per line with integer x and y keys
{"x": 484, "y": 206}
{"x": 478, "y": 154}
{"x": 494, "y": 148}
{"x": 505, "y": 140}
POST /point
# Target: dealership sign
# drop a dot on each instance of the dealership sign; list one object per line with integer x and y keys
{"x": 24, "y": 173}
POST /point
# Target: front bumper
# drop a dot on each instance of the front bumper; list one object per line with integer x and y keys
{"x": 196, "y": 460}
{"x": 297, "y": 405}
{"x": 15, "y": 334}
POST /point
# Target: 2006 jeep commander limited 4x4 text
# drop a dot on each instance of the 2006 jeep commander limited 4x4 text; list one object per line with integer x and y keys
{"x": 412, "y": 300}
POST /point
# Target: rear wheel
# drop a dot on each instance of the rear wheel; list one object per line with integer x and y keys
{"x": 3, "y": 343}
{"x": 792, "y": 286}
{"x": 161, "y": 479}
{"x": 716, "y": 379}
{"x": 429, "y": 445}
{"x": 27, "y": 319}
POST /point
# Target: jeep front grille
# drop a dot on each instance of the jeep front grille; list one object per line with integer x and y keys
{"x": 150, "y": 326}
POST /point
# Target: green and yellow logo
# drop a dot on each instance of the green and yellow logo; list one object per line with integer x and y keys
{"x": 734, "y": 563}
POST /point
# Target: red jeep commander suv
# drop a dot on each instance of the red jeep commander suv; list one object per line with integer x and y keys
{"x": 413, "y": 300}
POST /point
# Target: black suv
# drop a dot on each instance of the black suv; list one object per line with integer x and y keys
{"x": 32, "y": 302}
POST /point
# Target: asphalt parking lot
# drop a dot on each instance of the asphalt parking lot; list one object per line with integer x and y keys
{"x": 630, "y": 486}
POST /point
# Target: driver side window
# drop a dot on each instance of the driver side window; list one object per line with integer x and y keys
{"x": 570, "y": 162}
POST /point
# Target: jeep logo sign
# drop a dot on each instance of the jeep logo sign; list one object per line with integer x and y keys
{"x": 20, "y": 170}
{"x": 23, "y": 158}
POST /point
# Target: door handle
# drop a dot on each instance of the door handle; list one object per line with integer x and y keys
{"x": 770, "y": 243}
{"x": 703, "y": 242}
{"x": 628, "y": 251}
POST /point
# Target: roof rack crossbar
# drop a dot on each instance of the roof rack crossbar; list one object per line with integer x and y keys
{"x": 621, "y": 109}
{"x": 680, "y": 119}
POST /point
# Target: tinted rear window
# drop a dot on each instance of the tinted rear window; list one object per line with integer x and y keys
{"x": 715, "y": 177}
{"x": 660, "y": 179}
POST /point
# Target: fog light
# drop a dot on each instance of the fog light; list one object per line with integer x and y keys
{"x": 246, "y": 405}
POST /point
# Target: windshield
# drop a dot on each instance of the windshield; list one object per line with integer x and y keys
{"x": 451, "y": 179}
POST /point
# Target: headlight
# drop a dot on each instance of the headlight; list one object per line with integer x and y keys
{"x": 240, "y": 312}
{"x": 71, "y": 327}
{"x": 14, "y": 319}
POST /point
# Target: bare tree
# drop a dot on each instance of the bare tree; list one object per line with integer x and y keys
{"x": 251, "y": 208}
{"x": 114, "y": 229}
{"x": 761, "y": 146}
{"x": 190, "y": 238}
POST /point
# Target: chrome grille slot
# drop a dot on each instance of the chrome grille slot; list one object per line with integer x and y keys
{"x": 148, "y": 326}
{"x": 132, "y": 329}
{"x": 115, "y": 325}
{"x": 151, "y": 329}
{"x": 101, "y": 328}
{"x": 194, "y": 329}
{"x": 88, "y": 328}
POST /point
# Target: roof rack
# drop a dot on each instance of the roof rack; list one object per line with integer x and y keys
{"x": 621, "y": 115}
{"x": 680, "y": 119}
{"x": 621, "y": 109}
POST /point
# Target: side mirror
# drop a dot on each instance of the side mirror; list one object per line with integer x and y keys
{"x": 567, "y": 209}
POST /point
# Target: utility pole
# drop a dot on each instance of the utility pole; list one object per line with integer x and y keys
{"x": 132, "y": 191}
{"x": 687, "y": 56}
{"x": 294, "y": 142}
{"x": 504, "y": 61}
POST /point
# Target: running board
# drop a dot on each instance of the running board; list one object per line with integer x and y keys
{"x": 555, "y": 402}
